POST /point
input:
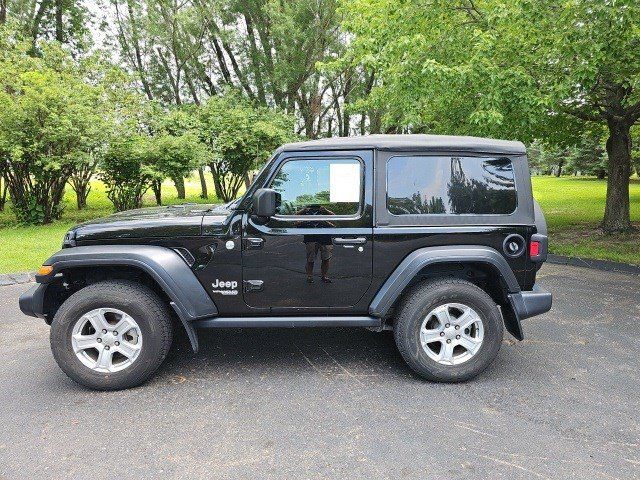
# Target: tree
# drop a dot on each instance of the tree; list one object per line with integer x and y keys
{"x": 174, "y": 157}
{"x": 124, "y": 171}
{"x": 47, "y": 116}
{"x": 177, "y": 129}
{"x": 4, "y": 188}
{"x": 588, "y": 157}
{"x": 66, "y": 21}
{"x": 241, "y": 137}
{"x": 523, "y": 69}
{"x": 85, "y": 165}
{"x": 267, "y": 50}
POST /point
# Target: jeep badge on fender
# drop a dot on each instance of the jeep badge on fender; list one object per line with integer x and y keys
{"x": 437, "y": 238}
{"x": 225, "y": 288}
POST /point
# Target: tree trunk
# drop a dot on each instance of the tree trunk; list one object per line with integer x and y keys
{"x": 216, "y": 180}
{"x": 203, "y": 184}
{"x": 616, "y": 213}
{"x": 600, "y": 174}
{"x": 247, "y": 180}
{"x": 179, "y": 183}
{"x": 559, "y": 171}
{"x": 3, "y": 16}
{"x": 3, "y": 192}
{"x": 59, "y": 30}
{"x": 81, "y": 197}
{"x": 156, "y": 186}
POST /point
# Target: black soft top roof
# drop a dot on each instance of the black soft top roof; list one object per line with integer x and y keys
{"x": 411, "y": 142}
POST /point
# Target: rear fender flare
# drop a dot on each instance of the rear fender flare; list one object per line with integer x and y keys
{"x": 415, "y": 262}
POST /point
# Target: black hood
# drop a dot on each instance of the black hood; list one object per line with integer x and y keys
{"x": 156, "y": 222}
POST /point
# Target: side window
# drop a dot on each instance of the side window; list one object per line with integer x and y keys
{"x": 450, "y": 185}
{"x": 330, "y": 186}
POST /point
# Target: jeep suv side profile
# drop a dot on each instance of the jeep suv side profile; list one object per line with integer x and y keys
{"x": 437, "y": 238}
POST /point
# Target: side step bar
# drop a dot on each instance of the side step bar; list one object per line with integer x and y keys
{"x": 287, "y": 322}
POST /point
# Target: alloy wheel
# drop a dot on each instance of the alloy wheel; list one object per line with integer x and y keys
{"x": 452, "y": 333}
{"x": 106, "y": 340}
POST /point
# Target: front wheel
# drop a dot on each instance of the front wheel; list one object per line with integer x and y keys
{"x": 448, "y": 330}
{"x": 111, "y": 335}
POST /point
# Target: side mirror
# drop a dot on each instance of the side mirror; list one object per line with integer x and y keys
{"x": 265, "y": 202}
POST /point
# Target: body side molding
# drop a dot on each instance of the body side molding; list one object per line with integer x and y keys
{"x": 289, "y": 322}
{"x": 423, "y": 257}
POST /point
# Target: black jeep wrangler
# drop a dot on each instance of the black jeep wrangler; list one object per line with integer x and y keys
{"x": 436, "y": 238}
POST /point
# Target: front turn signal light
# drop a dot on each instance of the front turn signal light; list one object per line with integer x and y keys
{"x": 45, "y": 270}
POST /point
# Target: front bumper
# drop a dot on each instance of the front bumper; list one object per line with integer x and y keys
{"x": 32, "y": 301}
{"x": 529, "y": 303}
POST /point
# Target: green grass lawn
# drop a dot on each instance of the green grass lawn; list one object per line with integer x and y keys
{"x": 573, "y": 208}
{"x": 25, "y": 248}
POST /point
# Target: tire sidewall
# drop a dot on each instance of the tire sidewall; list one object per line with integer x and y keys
{"x": 74, "y": 308}
{"x": 433, "y": 296}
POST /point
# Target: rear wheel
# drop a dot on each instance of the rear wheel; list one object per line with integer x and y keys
{"x": 111, "y": 335}
{"x": 448, "y": 330}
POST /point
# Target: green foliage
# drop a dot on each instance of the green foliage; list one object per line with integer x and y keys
{"x": 241, "y": 137}
{"x": 43, "y": 240}
{"x": 37, "y": 20}
{"x": 125, "y": 172}
{"x": 588, "y": 157}
{"x": 522, "y": 69}
{"x": 175, "y": 149}
{"x": 48, "y": 114}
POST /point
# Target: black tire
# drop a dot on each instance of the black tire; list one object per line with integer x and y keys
{"x": 421, "y": 300}
{"x": 149, "y": 311}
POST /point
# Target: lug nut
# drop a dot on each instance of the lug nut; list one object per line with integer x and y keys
{"x": 106, "y": 347}
{"x": 115, "y": 334}
{"x": 104, "y": 330}
{"x": 99, "y": 340}
{"x": 457, "y": 327}
{"x": 457, "y": 337}
{"x": 442, "y": 334}
{"x": 448, "y": 340}
{"x": 118, "y": 343}
{"x": 447, "y": 326}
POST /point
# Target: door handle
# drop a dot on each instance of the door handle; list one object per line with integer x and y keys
{"x": 349, "y": 241}
{"x": 253, "y": 285}
{"x": 253, "y": 243}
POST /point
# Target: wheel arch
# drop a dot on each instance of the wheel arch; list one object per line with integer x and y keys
{"x": 482, "y": 265}
{"x": 160, "y": 268}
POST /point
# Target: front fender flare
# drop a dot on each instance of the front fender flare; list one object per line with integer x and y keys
{"x": 187, "y": 295}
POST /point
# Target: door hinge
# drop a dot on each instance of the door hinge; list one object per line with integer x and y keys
{"x": 253, "y": 285}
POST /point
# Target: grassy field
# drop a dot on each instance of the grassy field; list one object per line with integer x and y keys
{"x": 25, "y": 248}
{"x": 573, "y": 208}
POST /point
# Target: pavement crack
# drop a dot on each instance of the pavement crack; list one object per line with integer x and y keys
{"x": 516, "y": 466}
{"x": 349, "y": 374}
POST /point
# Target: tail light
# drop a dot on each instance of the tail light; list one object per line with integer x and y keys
{"x": 534, "y": 248}
{"x": 538, "y": 247}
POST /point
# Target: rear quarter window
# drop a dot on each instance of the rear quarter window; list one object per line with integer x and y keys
{"x": 450, "y": 185}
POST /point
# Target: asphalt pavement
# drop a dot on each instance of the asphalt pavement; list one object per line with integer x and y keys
{"x": 340, "y": 403}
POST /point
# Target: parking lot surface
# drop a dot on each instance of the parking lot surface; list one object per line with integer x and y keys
{"x": 340, "y": 403}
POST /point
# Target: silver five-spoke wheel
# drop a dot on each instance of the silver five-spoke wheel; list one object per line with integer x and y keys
{"x": 452, "y": 333}
{"x": 106, "y": 340}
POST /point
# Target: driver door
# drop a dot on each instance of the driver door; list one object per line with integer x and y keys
{"x": 316, "y": 252}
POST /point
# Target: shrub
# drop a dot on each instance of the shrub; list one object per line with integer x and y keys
{"x": 124, "y": 172}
